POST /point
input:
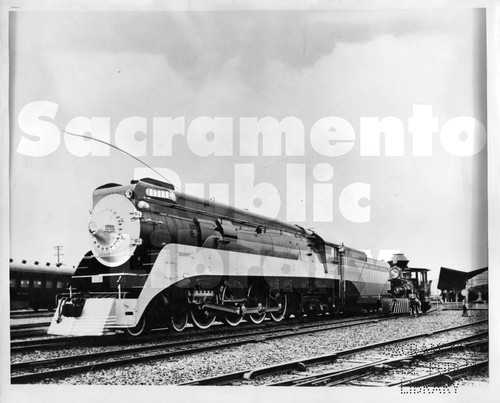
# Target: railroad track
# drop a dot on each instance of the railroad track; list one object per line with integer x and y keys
{"x": 51, "y": 342}
{"x": 244, "y": 376}
{"x": 23, "y": 334}
{"x": 33, "y": 371}
{"x": 38, "y": 344}
{"x": 29, "y": 326}
{"x": 30, "y": 314}
{"x": 39, "y": 330}
{"x": 28, "y": 330}
{"x": 415, "y": 369}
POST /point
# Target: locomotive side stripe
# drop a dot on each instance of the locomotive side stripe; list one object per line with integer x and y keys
{"x": 177, "y": 262}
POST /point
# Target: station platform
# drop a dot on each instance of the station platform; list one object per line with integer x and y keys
{"x": 457, "y": 306}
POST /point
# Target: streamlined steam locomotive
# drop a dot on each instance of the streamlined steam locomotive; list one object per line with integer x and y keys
{"x": 161, "y": 258}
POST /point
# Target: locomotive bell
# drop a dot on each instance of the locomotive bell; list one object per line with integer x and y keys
{"x": 399, "y": 260}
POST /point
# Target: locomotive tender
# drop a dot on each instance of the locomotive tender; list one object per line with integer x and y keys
{"x": 161, "y": 258}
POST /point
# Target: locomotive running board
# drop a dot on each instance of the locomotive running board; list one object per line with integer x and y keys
{"x": 240, "y": 310}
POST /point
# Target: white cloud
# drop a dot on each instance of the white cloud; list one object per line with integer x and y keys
{"x": 132, "y": 72}
{"x": 122, "y": 83}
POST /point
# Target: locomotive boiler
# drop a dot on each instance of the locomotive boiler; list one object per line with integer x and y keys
{"x": 161, "y": 258}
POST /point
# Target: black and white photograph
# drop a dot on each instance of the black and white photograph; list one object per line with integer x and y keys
{"x": 252, "y": 196}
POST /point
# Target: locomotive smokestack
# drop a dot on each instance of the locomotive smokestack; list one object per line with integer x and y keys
{"x": 399, "y": 260}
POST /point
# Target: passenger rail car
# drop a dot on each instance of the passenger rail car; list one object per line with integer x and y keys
{"x": 36, "y": 286}
{"x": 160, "y": 257}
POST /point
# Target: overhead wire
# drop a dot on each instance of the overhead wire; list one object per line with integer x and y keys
{"x": 123, "y": 151}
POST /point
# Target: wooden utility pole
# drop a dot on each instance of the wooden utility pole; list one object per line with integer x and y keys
{"x": 58, "y": 253}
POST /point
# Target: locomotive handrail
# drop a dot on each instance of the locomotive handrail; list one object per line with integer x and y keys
{"x": 112, "y": 274}
{"x": 77, "y": 294}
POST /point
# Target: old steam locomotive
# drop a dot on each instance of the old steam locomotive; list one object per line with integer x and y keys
{"x": 161, "y": 258}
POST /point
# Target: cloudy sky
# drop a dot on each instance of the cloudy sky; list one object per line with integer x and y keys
{"x": 352, "y": 64}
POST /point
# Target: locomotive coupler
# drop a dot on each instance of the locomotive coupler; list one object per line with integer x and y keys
{"x": 70, "y": 307}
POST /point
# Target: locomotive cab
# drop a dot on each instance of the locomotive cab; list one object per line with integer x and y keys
{"x": 417, "y": 278}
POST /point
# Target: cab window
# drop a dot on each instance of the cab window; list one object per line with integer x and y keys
{"x": 332, "y": 254}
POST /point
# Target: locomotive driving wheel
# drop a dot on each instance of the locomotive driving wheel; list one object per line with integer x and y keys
{"x": 232, "y": 295}
{"x": 200, "y": 317}
{"x": 257, "y": 298}
{"x": 179, "y": 320}
{"x": 278, "y": 298}
{"x": 138, "y": 329}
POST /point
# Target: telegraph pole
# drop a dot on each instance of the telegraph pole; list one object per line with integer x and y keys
{"x": 58, "y": 253}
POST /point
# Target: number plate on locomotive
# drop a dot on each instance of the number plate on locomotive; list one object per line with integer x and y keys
{"x": 97, "y": 279}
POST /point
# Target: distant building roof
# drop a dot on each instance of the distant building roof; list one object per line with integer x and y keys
{"x": 450, "y": 279}
{"x": 478, "y": 280}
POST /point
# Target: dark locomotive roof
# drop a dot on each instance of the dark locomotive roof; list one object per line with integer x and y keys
{"x": 108, "y": 185}
{"x": 196, "y": 204}
{"x": 227, "y": 216}
{"x": 235, "y": 214}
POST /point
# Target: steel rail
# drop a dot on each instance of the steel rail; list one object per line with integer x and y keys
{"x": 50, "y": 342}
{"x": 301, "y": 364}
{"x": 27, "y": 345}
{"x": 253, "y": 337}
{"x": 338, "y": 377}
{"x": 35, "y": 332}
{"x": 24, "y": 314}
{"x": 441, "y": 377}
{"x": 29, "y": 326}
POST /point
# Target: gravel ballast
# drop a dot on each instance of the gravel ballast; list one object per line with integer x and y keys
{"x": 264, "y": 353}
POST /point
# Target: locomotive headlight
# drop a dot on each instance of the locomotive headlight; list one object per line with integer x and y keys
{"x": 161, "y": 193}
{"x": 394, "y": 273}
{"x": 93, "y": 227}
